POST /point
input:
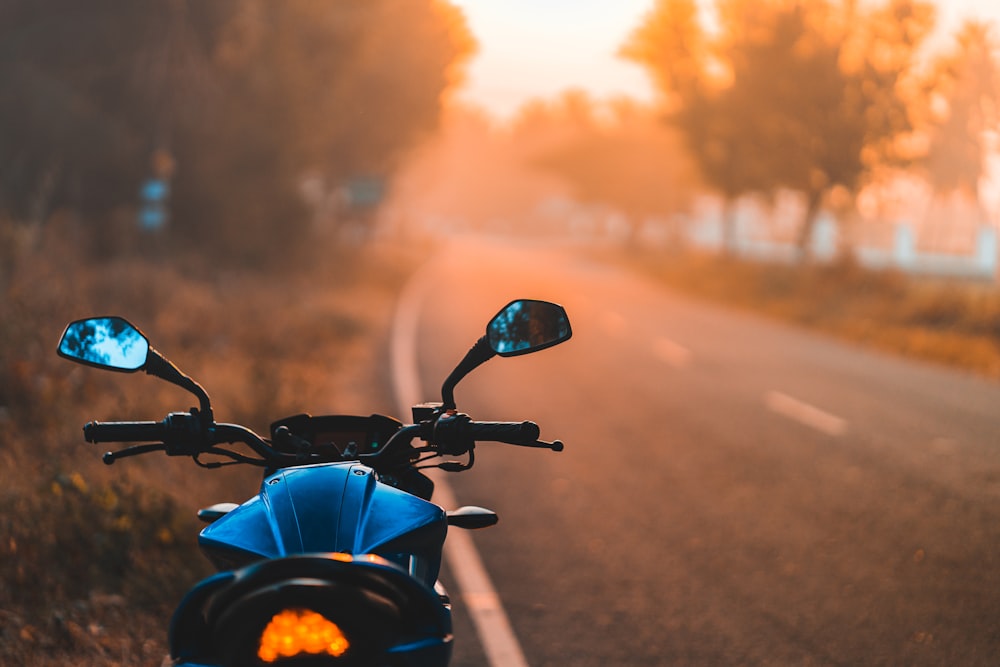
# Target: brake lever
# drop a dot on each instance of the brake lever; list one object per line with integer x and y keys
{"x": 555, "y": 445}
{"x": 110, "y": 457}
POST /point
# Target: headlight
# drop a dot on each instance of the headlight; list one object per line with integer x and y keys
{"x": 293, "y": 632}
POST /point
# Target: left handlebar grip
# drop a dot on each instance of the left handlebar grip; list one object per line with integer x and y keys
{"x": 124, "y": 432}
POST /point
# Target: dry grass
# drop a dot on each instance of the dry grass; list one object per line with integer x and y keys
{"x": 936, "y": 320}
{"x": 95, "y": 558}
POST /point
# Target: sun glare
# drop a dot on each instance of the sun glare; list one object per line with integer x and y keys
{"x": 529, "y": 50}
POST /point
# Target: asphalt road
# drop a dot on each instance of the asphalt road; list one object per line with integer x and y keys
{"x": 733, "y": 491}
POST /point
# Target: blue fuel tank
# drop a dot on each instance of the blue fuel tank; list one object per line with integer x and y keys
{"x": 329, "y": 507}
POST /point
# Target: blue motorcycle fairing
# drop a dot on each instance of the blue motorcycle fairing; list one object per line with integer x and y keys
{"x": 329, "y": 507}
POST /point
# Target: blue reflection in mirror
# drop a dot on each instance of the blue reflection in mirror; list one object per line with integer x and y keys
{"x": 107, "y": 342}
{"x": 527, "y": 325}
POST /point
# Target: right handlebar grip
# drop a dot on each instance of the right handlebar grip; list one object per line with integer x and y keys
{"x": 123, "y": 432}
{"x": 513, "y": 433}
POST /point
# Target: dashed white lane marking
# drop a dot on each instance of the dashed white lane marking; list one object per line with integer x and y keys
{"x": 670, "y": 352}
{"x": 473, "y": 582}
{"x": 810, "y": 415}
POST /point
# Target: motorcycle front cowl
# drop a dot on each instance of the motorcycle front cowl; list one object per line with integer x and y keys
{"x": 329, "y": 507}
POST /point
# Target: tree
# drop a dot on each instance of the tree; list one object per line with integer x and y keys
{"x": 679, "y": 55}
{"x": 787, "y": 95}
{"x": 630, "y": 163}
{"x": 964, "y": 90}
{"x": 248, "y": 96}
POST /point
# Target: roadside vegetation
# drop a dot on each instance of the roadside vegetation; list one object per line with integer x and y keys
{"x": 96, "y": 557}
{"x": 944, "y": 321}
{"x": 208, "y": 171}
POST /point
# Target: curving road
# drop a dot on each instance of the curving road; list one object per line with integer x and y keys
{"x": 733, "y": 491}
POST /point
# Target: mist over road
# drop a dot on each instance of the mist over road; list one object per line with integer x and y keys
{"x": 733, "y": 490}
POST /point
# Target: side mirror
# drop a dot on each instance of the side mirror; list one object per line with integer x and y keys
{"x": 527, "y": 325}
{"x": 111, "y": 343}
{"x": 522, "y": 326}
{"x": 114, "y": 344}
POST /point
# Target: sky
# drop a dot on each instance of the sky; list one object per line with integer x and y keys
{"x": 538, "y": 48}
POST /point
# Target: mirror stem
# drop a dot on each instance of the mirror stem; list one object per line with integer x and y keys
{"x": 159, "y": 366}
{"x": 480, "y": 353}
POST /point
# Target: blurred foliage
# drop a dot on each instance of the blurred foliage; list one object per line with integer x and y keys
{"x": 240, "y": 99}
{"x": 96, "y": 557}
{"x": 570, "y": 162}
{"x": 955, "y": 323}
{"x": 963, "y": 91}
{"x": 626, "y": 160}
{"x": 442, "y": 186}
{"x": 78, "y": 553}
{"x": 787, "y": 95}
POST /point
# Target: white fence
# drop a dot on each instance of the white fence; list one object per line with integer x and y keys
{"x": 882, "y": 246}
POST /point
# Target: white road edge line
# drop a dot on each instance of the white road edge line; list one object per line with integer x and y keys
{"x": 811, "y": 416}
{"x": 475, "y": 588}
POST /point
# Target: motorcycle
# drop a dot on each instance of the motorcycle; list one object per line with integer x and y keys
{"x": 335, "y": 560}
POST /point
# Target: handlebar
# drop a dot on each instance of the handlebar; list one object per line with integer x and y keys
{"x": 185, "y": 434}
{"x": 514, "y": 433}
{"x": 97, "y": 432}
{"x": 454, "y": 434}
{"x": 523, "y": 433}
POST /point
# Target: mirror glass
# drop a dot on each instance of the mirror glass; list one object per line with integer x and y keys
{"x": 527, "y": 325}
{"x": 106, "y": 342}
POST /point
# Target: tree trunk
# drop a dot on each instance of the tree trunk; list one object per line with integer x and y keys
{"x": 634, "y": 224}
{"x": 814, "y": 199}
{"x": 729, "y": 247}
